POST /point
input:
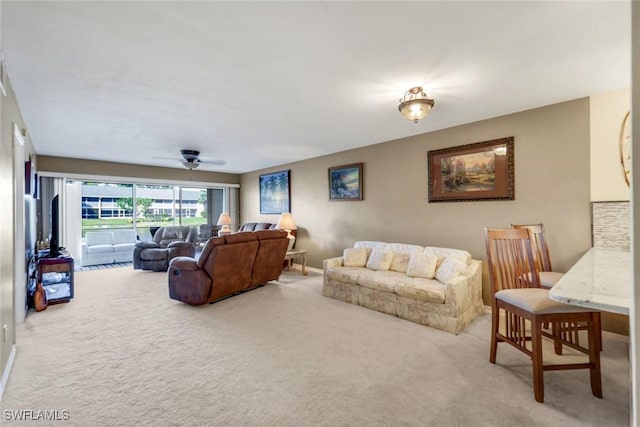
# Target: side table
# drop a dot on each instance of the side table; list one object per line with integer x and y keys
{"x": 299, "y": 253}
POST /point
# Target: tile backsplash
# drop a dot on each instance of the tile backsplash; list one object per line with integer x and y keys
{"x": 610, "y": 224}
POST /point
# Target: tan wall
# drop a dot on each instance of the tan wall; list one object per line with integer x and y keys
{"x": 607, "y": 112}
{"x": 12, "y": 282}
{"x": 97, "y": 168}
{"x": 551, "y": 177}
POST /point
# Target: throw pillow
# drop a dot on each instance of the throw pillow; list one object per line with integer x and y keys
{"x": 354, "y": 257}
{"x": 449, "y": 269}
{"x": 380, "y": 260}
{"x": 422, "y": 265}
{"x": 400, "y": 262}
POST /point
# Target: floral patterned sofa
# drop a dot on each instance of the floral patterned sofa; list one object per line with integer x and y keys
{"x": 437, "y": 287}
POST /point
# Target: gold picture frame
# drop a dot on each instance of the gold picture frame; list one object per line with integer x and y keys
{"x": 472, "y": 172}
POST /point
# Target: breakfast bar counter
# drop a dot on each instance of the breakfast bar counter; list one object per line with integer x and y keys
{"x": 602, "y": 279}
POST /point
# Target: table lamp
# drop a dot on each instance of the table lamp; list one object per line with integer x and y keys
{"x": 286, "y": 222}
{"x": 225, "y": 221}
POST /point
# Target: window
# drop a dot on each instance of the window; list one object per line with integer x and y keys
{"x": 144, "y": 206}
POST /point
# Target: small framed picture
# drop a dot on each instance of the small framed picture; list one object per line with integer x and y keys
{"x": 29, "y": 178}
{"x": 275, "y": 192}
{"x": 345, "y": 182}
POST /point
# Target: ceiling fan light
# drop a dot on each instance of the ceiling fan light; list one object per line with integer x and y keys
{"x": 190, "y": 164}
{"x": 415, "y": 105}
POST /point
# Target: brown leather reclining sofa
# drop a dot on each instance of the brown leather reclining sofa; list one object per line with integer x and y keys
{"x": 228, "y": 265}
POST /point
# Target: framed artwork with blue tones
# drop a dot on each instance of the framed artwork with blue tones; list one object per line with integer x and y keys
{"x": 345, "y": 182}
{"x": 275, "y": 192}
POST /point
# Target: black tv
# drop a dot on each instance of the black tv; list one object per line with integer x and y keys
{"x": 54, "y": 227}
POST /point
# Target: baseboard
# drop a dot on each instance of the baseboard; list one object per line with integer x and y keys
{"x": 7, "y": 370}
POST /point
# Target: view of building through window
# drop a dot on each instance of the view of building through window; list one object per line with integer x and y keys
{"x": 143, "y": 207}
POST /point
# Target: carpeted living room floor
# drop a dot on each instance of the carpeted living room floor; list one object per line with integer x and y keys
{"x": 123, "y": 354}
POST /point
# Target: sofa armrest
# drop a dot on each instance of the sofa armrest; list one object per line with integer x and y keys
{"x": 184, "y": 263}
{"x": 147, "y": 245}
{"x": 177, "y": 249}
{"x": 187, "y": 282}
{"x": 85, "y": 248}
{"x": 332, "y": 262}
{"x": 465, "y": 291}
{"x": 180, "y": 244}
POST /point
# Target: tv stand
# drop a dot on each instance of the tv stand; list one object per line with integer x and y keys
{"x": 56, "y": 275}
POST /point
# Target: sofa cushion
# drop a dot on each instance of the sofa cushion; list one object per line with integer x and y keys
{"x": 369, "y": 245}
{"x": 422, "y": 265}
{"x": 153, "y": 254}
{"x": 124, "y": 247}
{"x": 354, "y": 257}
{"x": 401, "y": 255}
{"x": 174, "y": 233}
{"x": 450, "y": 268}
{"x": 99, "y": 249}
{"x": 98, "y": 238}
{"x": 421, "y": 289}
{"x": 443, "y": 253}
{"x": 345, "y": 274}
{"x": 380, "y": 260}
{"x": 380, "y": 280}
{"x": 123, "y": 236}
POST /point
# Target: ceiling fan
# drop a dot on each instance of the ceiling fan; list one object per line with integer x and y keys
{"x": 191, "y": 159}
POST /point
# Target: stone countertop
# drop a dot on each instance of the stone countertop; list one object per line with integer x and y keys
{"x": 601, "y": 279}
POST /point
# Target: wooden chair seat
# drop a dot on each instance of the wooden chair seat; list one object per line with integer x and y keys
{"x": 536, "y": 301}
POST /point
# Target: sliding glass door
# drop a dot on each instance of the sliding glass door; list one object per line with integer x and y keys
{"x": 147, "y": 207}
{"x": 106, "y": 206}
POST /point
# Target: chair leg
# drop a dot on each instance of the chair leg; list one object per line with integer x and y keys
{"x": 536, "y": 358}
{"x": 595, "y": 346}
{"x": 495, "y": 324}
{"x": 556, "y": 331}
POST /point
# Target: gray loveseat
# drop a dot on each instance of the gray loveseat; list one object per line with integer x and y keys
{"x": 168, "y": 243}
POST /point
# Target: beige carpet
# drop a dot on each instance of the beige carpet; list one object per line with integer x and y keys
{"x": 123, "y": 354}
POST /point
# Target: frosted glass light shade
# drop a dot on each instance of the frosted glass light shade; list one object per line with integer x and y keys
{"x": 415, "y": 105}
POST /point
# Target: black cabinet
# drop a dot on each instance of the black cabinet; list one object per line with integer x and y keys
{"x": 56, "y": 276}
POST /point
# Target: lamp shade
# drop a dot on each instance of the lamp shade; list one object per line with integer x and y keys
{"x": 286, "y": 222}
{"x": 224, "y": 219}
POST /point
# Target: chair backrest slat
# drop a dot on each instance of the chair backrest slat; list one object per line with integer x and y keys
{"x": 510, "y": 258}
{"x": 538, "y": 244}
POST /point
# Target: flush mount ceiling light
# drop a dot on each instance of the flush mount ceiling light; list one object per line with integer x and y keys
{"x": 415, "y": 105}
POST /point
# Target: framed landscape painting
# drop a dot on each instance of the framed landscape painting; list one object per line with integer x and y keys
{"x": 480, "y": 171}
{"x": 275, "y": 192}
{"x": 345, "y": 182}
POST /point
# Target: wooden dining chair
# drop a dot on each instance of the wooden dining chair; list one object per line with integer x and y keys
{"x": 541, "y": 256}
{"x": 542, "y": 259}
{"x": 516, "y": 293}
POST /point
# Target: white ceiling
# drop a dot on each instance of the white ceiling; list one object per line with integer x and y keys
{"x": 260, "y": 84}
